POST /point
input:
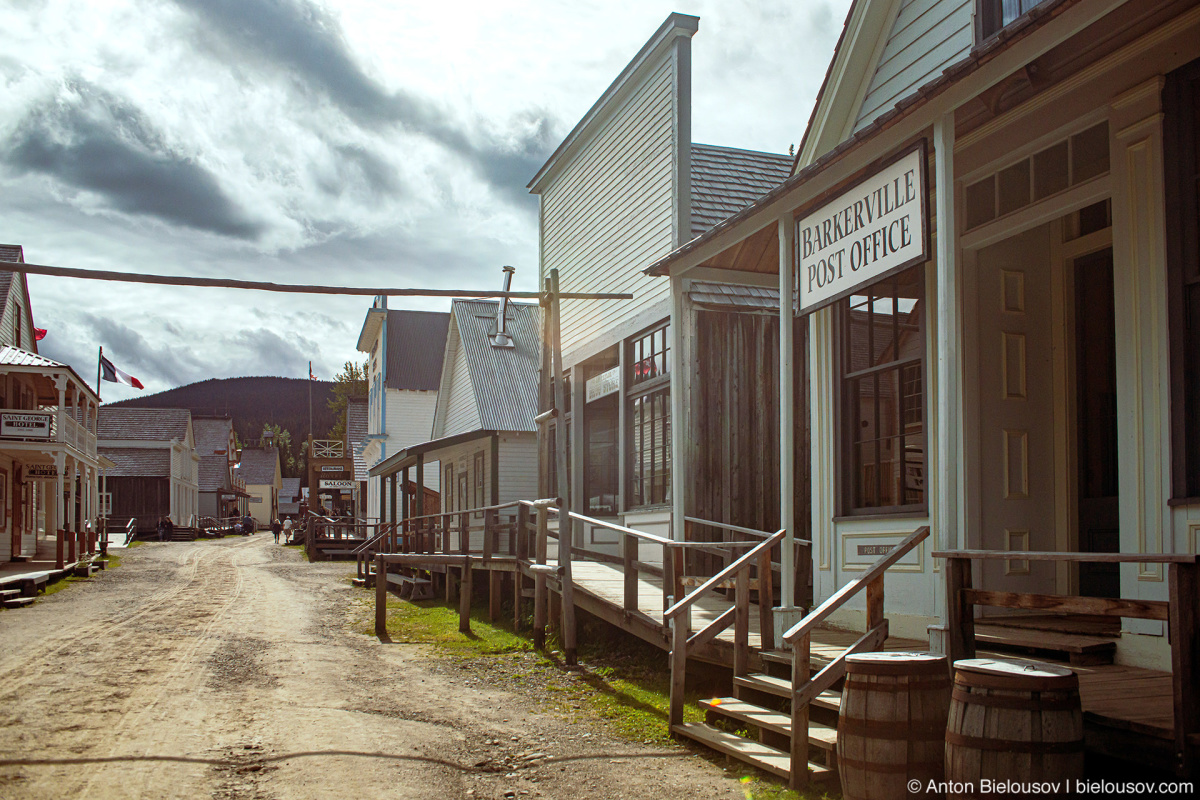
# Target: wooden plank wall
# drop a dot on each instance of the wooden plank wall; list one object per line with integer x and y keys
{"x": 144, "y": 498}
{"x": 733, "y": 462}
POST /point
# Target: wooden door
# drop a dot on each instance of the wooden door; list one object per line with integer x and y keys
{"x": 1096, "y": 422}
{"x": 1016, "y": 408}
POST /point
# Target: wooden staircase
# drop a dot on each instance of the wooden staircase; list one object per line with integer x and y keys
{"x": 771, "y": 708}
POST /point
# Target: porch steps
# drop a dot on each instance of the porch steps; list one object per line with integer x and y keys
{"x": 756, "y": 754}
{"x": 1079, "y": 649}
{"x": 782, "y": 687}
{"x": 819, "y": 734}
{"x": 17, "y": 602}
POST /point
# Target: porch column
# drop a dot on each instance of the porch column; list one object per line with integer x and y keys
{"x": 948, "y": 502}
{"x": 420, "y": 489}
{"x": 678, "y": 414}
{"x": 787, "y": 424}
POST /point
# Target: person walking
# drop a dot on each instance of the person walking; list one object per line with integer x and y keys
{"x": 287, "y": 530}
{"x": 247, "y": 524}
{"x": 169, "y": 528}
{"x": 162, "y": 528}
{"x": 276, "y": 528}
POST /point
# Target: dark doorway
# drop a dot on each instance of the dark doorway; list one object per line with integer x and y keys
{"x": 1096, "y": 422}
{"x": 600, "y": 477}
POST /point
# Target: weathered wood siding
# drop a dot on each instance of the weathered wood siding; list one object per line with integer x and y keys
{"x": 15, "y": 304}
{"x": 733, "y": 466}
{"x": 609, "y": 213}
{"x": 144, "y": 498}
{"x": 409, "y": 417}
{"x": 461, "y": 412}
{"x": 518, "y": 467}
{"x": 929, "y": 35}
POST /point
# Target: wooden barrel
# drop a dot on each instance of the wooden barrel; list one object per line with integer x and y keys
{"x": 892, "y": 724}
{"x": 1013, "y": 723}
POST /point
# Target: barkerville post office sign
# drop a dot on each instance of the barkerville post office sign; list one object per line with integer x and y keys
{"x": 873, "y": 229}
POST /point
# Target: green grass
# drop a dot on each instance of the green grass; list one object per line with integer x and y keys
{"x": 111, "y": 561}
{"x": 299, "y": 547}
{"x": 136, "y": 543}
{"x": 61, "y": 584}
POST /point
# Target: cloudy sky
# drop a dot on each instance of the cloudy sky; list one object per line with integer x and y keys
{"x": 357, "y": 143}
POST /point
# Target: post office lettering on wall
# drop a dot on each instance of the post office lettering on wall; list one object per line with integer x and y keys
{"x": 874, "y": 228}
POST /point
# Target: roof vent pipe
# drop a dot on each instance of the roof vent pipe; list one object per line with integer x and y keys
{"x": 502, "y": 339}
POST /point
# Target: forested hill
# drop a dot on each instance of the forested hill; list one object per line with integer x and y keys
{"x": 252, "y": 402}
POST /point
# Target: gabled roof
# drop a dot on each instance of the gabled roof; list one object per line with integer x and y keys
{"x": 138, "y": 462}
{"x": 259, "y": 465}
{"x": 725, "y": 180}
{"x": 15, "y": 254}
{"x": 290, "y": 492}
{"x": 143, "y": 424}
{"x": 415, "y": 343}
{"x": 505, "y": 379}
{"x": 213, "y": 472}
{"x": 356, "y": 434}
{"x": 212, "y": 434}
{"x": 16, "y": 357}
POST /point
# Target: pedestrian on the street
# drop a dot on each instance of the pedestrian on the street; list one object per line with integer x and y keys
{"x": 287, "y": 530}
{"x": 276, "y": 529}
{"x": 237, "y": 528}
{"x": 248, "y": 524}
{"x": 162, "y": 528}
{"x": 168, "y": 527}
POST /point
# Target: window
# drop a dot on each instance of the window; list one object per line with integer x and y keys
{"x": 997, "y": 14}
{"x": 478, "y": 500}
{"x": 883, "y": 395}
{"x": 1181, "y": 160}
{"x": 462, "y": 491}
{"x": 649, "y": 358}
{"x": 448, "y": 488}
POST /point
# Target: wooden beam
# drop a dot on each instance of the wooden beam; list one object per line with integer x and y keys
{"x": 836, "y": 669}
{"x": 1184, "y": 589}
{"x": 1100, "y": 606}
{"x": 960, "y": 614}
{"x": 291, "y": 288}
{"x": 1087, "y": 558}
{"x": 566, "y": 527}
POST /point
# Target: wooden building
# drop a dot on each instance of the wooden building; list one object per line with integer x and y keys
{"x": 484, "y": 441}
{"x": 157, "y": 466}
{"x": 404, "y": 364}
{"x": 260, "y": 469}
{"x": 625, "y": 187}
{"x": 990, "y": 231}
{"x": 216, "y": 447}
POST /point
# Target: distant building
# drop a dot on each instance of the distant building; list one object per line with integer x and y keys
{"x": 157, "y": 467}
{"x": 261, "y": 471}
{"x": 289, "y": 498}
{"x": 216, "y": 447}
{"x": 403, "y": 370}
{"x": 356, "y": 440}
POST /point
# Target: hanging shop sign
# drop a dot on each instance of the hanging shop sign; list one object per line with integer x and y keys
{"x": 25, "y": 426}
{"x": 41, "y": 471}
{"x": 874, "y": 229}
{"x": 332, "y": 468}
{"x": 603, "y": 384}
{"x": 329, "y": 483}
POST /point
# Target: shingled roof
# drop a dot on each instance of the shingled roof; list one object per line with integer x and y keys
{"x": 505, "y": 379}
{"x": 356, "y": 434}
{"x": 258, "y": 465}
{"x": 213, "y": 473}
{"x": 138, "y": 462}
{"x": 725, "y": 180}
{"x": 416, "y": 341}
{"x": 212, "y": 435}
{"x": 143, "y": 424}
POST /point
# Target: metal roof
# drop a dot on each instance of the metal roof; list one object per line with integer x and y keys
{"x": 416, "y": 341}
{"x": 725, "y": 180}
{"x": 138, "y": 462}
{"x": 143, "y": 424}
{"x": 408, "y": 456}
{"x": 505, "y": 379}
{"x": 259, "y": 465}
{"x": 731, "y": 297}
{"x": 16, "y": 357}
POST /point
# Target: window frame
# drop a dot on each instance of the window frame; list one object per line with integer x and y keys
{"x": 990, "y": 12}
{"x": 847, "y": 469}
{"x": 645, "y": 389}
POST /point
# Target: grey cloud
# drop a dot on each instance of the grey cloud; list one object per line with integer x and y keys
{"x": 89, "y": 140}
{"x": 307, "y": 43}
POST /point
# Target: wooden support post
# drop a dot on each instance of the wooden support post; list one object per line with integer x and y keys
{"x": 629, "y": 553}
{"x": 521, "y": 550}
{"x": 875, "y": 601}
{"x": 960, "y": 614}
{"x": 491, "y": 525}
{"x": 380, "y": 597}
{"x": 741, "y": 622}
{"x": 1184, "y": 595}
{"x": 71, "y": 540}
{"x": 60, "y": 542}
{"x": 766, "y": 601}
{"x": 678, "y": 671}
{"x": 566, "y": 527}
{"x": 464, "y": 598}
{"x": 800, "y": 677}
{"x": 539, "y": 583}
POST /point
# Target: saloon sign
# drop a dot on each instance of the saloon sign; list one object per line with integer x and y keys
{"x": 25, "y": 426}
{"x": 327, "y": 483}
{"x": 867, "y": 232}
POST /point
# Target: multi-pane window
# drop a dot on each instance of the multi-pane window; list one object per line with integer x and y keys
{"x": 477, "y": 500}
{"x": 448, "y": 488}
{"x": 649, "y": 359}
{"x": 996, "y": 14}
{"x": 883, "y": 394}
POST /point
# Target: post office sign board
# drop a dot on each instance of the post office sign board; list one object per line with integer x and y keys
{"x": 329, "y": 483}
{"x": 604, "y": 384}
{"x": 25, "y": 425}
{"x": 872, "y": 230}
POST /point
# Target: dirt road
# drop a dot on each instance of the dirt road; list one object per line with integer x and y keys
{"x": 229, "y": 669}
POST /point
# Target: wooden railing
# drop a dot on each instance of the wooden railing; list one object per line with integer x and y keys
{"x": 805, "y": 686}
{"x": 1180, "y": 612}
{"x": 757, "y": 557}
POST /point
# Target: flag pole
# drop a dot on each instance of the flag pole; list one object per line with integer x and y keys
{"x": 99, "y": 358}
{"x": 310, "y": 430}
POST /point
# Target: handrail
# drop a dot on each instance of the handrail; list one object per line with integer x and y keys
{"x": 839, "y": 598}
{"x": 130, "y": 530}
{"x": 1050, "y": 555}
{"x": 737, "y": 566}
{"x": 387, "y": 529}
{"x": 735, "y": 528}
{"x": 496, "y": 507}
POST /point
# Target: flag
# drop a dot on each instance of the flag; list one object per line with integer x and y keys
{"x": 111, "y": 373}
{"x": 312, "y": 377}
{"x": 39, "y": 334}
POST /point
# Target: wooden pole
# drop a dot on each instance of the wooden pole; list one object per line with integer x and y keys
{"x": 464, "y": 598}
{"x": 521, "y": 550}
{"x": 380, "y": 597}
{"x": 539, "y": 581}
{"x": 787, "y": 416}
{"x": 960, "y": 627}
{"x": 1184, "y": 594}
{"x": 678, "y": 670}
{"x": 800, "y": 677}
{"x": 741, "y": 622}
{"x": 291, "y": 288}
{"x": 566, "y": 527}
